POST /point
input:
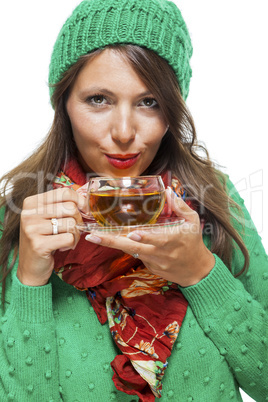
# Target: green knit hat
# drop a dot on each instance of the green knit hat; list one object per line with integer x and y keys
{"x": 154, "y": 24}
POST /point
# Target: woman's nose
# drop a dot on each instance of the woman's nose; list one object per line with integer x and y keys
{"x": 123, "y": 127}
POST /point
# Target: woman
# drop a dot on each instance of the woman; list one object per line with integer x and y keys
{"x": 183, "y": 314}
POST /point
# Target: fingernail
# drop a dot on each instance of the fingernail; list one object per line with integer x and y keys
{"x": 64, "y": 249}
{"x": 134, "y": 236}
{"x": 93, "y": 239}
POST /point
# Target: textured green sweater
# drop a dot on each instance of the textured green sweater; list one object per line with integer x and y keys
{"x": 53, "y": 347}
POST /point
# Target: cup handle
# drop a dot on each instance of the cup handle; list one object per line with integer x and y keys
{"x": 84, "y": 192}
{"x": 88, "y": 217}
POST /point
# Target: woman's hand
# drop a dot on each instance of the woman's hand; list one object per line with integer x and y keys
{"x": 177, "y": 254}
{"x": 37, "y": 243}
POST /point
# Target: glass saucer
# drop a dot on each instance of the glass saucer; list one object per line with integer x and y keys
{"x": 163, "y": 225}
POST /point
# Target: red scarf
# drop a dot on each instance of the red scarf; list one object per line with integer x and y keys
{"x": 144, "y": 311}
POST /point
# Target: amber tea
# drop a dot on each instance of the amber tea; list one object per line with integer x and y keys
{"x": 131, "y": 208}
{"x": 126, "y": 201}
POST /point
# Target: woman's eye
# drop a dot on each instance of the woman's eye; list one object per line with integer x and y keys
{"x": 96, "y": 100}
{"x": 149, "y": 102}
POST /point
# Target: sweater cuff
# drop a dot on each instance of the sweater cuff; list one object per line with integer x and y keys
{"x": 213, "y": 291}
{"x": 31, "y": 303}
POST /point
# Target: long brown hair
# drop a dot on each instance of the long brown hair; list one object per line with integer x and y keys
{"x": 178, "y": 152}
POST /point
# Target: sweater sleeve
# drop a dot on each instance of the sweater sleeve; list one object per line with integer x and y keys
{"x": 28, "y": 353}
{"x": 233, "y": 312}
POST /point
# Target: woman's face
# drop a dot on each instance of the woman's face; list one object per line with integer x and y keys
{"x": 116, "y": 122}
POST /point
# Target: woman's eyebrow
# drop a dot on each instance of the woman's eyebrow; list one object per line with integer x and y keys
{"x": 105, "y": 91}
{"x": 95, "y": 90}
{"x": 146, "y": 93}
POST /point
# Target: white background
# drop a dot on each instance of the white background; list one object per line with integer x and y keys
{"x": 228, "y": 94}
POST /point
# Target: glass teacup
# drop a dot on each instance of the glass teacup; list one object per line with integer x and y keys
{"x": 126, "y": 201}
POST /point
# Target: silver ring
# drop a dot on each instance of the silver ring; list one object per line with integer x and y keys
{"x": 55, "y": 225}
{"x": 135, "y": 255}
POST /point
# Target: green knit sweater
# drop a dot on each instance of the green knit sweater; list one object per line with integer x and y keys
{"x": 53, "y": 347}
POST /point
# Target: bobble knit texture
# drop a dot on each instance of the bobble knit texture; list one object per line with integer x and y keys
{"x": 155, "y": 24}
{"x": 53, "y": 347}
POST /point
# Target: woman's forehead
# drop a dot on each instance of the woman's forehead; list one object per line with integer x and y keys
{"x": 110, "y": 69}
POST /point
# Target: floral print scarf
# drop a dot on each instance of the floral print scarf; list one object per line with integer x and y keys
{"x": 144, "y": 311}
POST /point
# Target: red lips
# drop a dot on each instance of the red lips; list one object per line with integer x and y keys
{"x": 122, "y": 161}
{"x": 121, "y": 156}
